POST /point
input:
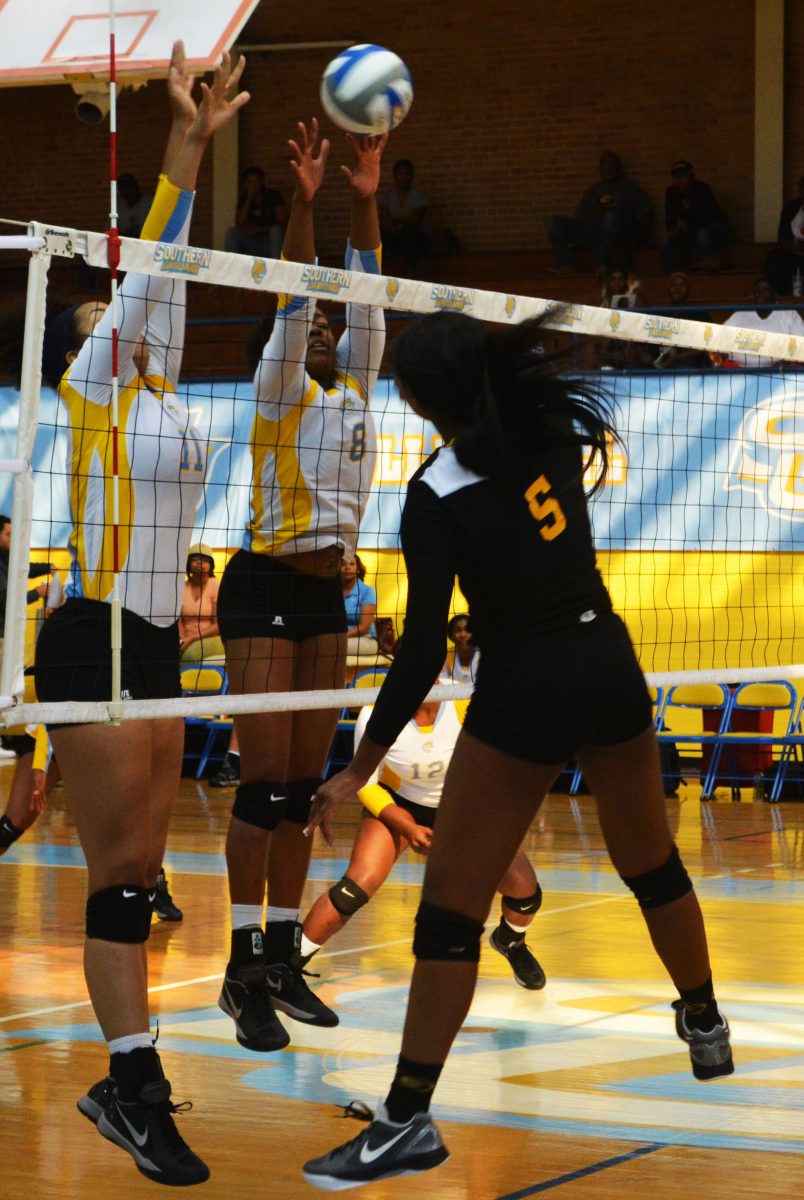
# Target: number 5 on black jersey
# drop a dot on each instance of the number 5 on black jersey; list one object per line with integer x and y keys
{"x": 545, "y": 509}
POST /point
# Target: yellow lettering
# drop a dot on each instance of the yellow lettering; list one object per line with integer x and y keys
{"x": 546, "y": 512}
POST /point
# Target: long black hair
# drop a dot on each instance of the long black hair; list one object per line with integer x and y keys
{"x": 500, "y": 388}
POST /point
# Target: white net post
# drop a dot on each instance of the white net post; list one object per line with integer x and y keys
{"x": 11, "y": 677}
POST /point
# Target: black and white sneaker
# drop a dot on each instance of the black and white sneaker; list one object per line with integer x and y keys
{"x": 145, "y": 1128}
{"x": 710, "y": 1050}
{"x": 290, "y": 994}
{"x": 244, "y": 997}
{"x": 164, "y": 907}
{"x": 96, "y": 1099}
{"x": 379, "y": 1152}
{"x": 526, "y": 967}
{"x": 229, "y": 773}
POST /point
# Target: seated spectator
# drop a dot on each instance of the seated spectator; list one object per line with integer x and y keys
{"x": 786, "y": 259}
{"x": 360, "y": 602}
{"x": 132, "y": 206}
{"x": 680, "y": 308}
{"x": 780, "y": 320}
{"x": 403, "y": 217}
{"x": 260, "y": 220}
{"x": 620, "y": 290}
{"x": 614, "y": 214}
{"x": 199, "y": 637}
{"x": 694, "y": 221}
{"x": 462, "y": 662}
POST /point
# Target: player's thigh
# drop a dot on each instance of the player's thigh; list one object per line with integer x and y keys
{"x": 320, "y": 665}
{"x": 253, "y": 666}
{"x": 626, "y": 780}
{"x": 374, "y": 852}
{"x": 167, "y": 751}
{"x": 489, "y": 801}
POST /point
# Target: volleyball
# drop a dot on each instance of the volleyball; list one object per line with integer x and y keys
{"x": 367, "y": 89}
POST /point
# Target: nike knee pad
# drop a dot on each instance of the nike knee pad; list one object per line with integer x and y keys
{"x": 347, "y": 896}
{"x": 662, "y": 885}
{"x": 120, "y": 914}
{"x": 444, "y": 936}
{"x": 528, "y": 906}
{"x": 300, "y": 799}
{"x": 261, "y": 803}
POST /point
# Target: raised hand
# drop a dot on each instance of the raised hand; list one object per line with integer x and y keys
{"x": 180, "y": 87}
{"x": 364, "y": 176}
{"x": 216, "y": 109}
{"x": 307, "y": 167}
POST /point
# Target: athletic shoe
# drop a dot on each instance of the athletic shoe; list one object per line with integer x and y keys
{"x": 145, "y": 1128}
{"x": 380, "y": 1151}
{"x": 245, "y": 999}
{"x": 96, "y": 1099}
{"x": 164, "y": 907}
{"x": 290, "y": 994}
{"x": 228, "y": 775}
{"x": 526, "y": 967}
{"x": 710, "y": 1050}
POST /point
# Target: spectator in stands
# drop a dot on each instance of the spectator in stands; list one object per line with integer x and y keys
{"x": 779, "y": 320}
{"x": 260, "y": 219}
{"x": 403, "y": 217}
{"x": 360, "y": 601}
{"x": 613, "y": 215}
{"x": 786, "y": 259}
{"x": 462, "y": 662}
{"x": 199, "y": 637}
{"x": 621, "y": 289}
{"x": 681, "y": 309}
{"x": 132, "y": 206}
{"x": 694, "y": 221}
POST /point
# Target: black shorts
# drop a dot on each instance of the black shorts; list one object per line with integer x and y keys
{"x": 422, "y": 814}
{"x": 262, "y": 597}
{"x": 74, "y": 656}
{"x": 543, "y": 699}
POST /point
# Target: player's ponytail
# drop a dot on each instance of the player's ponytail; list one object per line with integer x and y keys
{"x": 499, "y": 391}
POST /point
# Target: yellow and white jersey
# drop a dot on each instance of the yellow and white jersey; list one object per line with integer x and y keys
{"x": 416, "y": 764}
{"x": 161, "y": 459}
{"x": 457, "y": 672}
{"x": 314, "y": 449}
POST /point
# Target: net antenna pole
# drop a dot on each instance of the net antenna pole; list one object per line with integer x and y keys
{"x": 113, "y": 238}
{"x": 12, "y": 682}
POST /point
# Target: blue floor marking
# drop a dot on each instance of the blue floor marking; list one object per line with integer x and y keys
{"x": 601, "y": 1166}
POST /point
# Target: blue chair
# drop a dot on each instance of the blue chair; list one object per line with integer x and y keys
{"x": 778, "y": 697}
{"x": 712, "y": 697}
{"x": 205, "y": 679}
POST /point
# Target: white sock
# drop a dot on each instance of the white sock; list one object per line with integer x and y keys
{"x": 132, "y": 1041}
{"x": 246, "y": 914}
{"x": 281, "y": 914}
{"x": 307, "y": 947}
{"x": 517, "y": 928}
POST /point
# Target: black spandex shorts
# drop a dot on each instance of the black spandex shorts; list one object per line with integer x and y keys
{"x": 74, "y": 657}
{"x": 544, "y": 699}
{"x": 262, "y": 597}
{"x": 422, "y": 814}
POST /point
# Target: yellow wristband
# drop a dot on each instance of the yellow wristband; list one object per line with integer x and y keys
{"x": 374, "y": 798}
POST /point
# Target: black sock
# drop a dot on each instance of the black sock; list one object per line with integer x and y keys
{"x": 282, "y": 942}
{"x": 507, "y": 936}
{"x": 247, "y": 951}
{"x": 133, "y": 1070}
{"x": 700, "y": 1006}
{"x": 412, "y": 1089}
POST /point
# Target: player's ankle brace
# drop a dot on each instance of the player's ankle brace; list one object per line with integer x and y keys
{"x": 282, "y": 941}
{"x": 300, "y": 799}
{"x": 261, "y": 803}
{"x": 444, "y": 936}
{"x": 8, "y": 833}
{"x": 662, "y": 885}
{"x": 120, "y": 914}
{"x": 412, "y": 1089}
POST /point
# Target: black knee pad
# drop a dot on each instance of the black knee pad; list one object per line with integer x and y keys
{"x": 662, "y": 885}
{"x": 8, "y": 833}
{"x": 300, "y": 799}
{"x": 120, "y": 914}
{"x": 261, "y": 803}
{"x": 347, "y": 896}
{"x": 528, "y": 906}
{"x": 444, "y": 936}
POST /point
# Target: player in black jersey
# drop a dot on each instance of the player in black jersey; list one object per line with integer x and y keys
{"x": 557, "y": 676}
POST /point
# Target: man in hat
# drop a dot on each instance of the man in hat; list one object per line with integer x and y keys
{"x": 694, "y": 221}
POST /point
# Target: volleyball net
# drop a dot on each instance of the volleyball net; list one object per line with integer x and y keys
{"x": 698, "y": 529}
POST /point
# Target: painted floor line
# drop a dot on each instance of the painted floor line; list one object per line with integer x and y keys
{"x": 571, "y": 1176}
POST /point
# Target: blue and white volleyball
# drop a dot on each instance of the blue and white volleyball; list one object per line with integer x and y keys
{"x": 367, "y": 89}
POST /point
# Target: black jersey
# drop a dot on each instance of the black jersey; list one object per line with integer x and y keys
{"x": 523, "y": 555}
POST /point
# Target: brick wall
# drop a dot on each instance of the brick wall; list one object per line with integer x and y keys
{"x": 514, "y": 103}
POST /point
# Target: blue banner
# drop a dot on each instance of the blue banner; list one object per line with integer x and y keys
{"x": 710, "y": 462}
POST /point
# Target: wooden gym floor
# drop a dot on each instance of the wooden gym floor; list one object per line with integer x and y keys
{"x": 581, "y": 1090}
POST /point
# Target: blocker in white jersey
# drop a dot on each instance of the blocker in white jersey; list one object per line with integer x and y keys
{"x": 415, "y": 766}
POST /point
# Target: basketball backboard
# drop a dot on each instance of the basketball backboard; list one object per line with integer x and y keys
{"x": 49, "y": 41}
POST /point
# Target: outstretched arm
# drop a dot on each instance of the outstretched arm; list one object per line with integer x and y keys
{"x": 363, "y": 178}
{"x": 308, "y": 170}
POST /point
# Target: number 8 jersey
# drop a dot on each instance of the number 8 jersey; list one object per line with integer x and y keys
{"x": 314, "y": 448}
